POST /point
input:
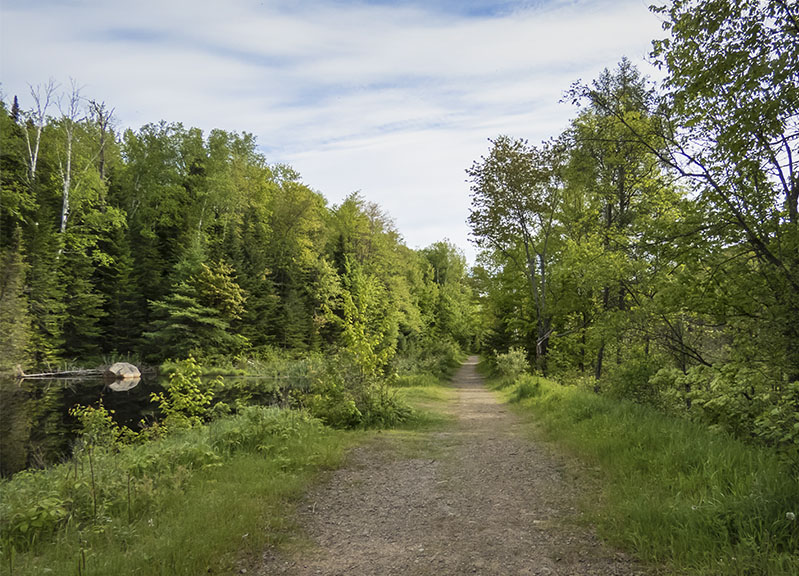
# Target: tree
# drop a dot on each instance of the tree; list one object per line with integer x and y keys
{"x": 515, "y": 195}
{"x": 731, "y": 122}
{"x": 195, "y": 319}
{"x": 620, "y": 182}
{"x": 14, "y": 314}
{"x": 36, "y": 119}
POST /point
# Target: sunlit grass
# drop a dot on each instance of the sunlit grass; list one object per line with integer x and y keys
{"x": 672, "y": 491}
{"x": 219, "y": 517}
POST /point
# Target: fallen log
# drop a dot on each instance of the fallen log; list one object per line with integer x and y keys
{"x": 61, "y": 374}
{"x": 117, "y": 371}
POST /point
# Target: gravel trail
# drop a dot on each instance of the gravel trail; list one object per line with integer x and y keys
{"x": 476, "y": 497}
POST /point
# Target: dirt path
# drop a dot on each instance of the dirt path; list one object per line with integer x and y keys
{"x": 481, "y": 499}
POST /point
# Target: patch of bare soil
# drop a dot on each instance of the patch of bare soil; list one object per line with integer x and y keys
{"x": 477, "y": 498}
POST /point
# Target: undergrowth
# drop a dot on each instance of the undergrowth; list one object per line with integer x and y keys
{"x": 677, "y": 494}
{"x": 131, "y": 502}
{"x": 187, "y": 503}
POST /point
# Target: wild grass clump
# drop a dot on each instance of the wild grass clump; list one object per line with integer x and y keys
{"x": 525, "y": 386}
{"x": 415, "y": 380}
{"x": 676, "y": 493}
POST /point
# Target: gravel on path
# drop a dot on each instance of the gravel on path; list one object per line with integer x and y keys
{"x": 479, "y": 497}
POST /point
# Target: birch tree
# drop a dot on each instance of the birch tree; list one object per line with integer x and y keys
{"x": 36, "y": 119}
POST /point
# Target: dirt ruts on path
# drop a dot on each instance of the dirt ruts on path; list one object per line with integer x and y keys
{"x": 474, "y": 497}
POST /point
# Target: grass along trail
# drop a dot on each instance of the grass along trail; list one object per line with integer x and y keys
{"x": 474, "y": 495}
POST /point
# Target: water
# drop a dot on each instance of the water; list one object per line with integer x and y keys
{"x": 36, "y": 429}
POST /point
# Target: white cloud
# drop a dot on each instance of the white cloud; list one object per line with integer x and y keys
{"x": 395, "y": 101}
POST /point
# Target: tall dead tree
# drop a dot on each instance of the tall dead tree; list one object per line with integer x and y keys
{"x": 101, "y": 117}
{"x": 36, "y": 118}
{"x": 70, "y": 116}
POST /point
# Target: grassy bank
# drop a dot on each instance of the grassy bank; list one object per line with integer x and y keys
{"x": 189, "y": 496}
{"x": 198, "y": 502}
{"x": 671, "y": 491}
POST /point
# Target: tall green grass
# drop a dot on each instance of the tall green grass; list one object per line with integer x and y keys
{"x": 200, "y": 502}
{"x": 672, "y": 491}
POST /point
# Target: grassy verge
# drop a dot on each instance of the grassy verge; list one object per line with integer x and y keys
{"x": 673, "y": 492}
{"x": 184, "y": 498}
{"x": 201, "y": 502}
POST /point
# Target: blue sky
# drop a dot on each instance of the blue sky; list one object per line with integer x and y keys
{"x": 393, "y": 99}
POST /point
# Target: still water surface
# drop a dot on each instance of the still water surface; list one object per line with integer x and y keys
{"x": 35, "y": 426}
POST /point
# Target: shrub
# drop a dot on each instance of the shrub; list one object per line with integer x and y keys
{"x": 742, "y": 400}
{"x": 512, "y": 363}
{"x": 333, "y": 403}
{"x": 186, "y": 400}
{"x": 632, "y": 380}
{"x": 345, "y": 397}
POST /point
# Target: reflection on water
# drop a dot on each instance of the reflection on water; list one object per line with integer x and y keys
{"x": 36, "y": 428}
{"x": 124, "y": 385}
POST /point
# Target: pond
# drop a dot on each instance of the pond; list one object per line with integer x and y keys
{"x": 37, "y": 430}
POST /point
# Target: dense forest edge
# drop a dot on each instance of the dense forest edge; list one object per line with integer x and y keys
{"x": 686, "y": 499}
{"x": 642, "y": 266}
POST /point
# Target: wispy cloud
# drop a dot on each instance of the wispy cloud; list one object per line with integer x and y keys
{"x": 395, "y": 99}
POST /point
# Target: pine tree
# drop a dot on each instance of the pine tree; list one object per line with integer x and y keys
{"x": 196, "y": 317}
{"x": 15, "y": 325}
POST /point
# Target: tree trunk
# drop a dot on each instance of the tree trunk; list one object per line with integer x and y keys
{"x": 67, "y": 182}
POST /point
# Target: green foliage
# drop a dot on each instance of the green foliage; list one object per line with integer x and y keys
{"x": 126, "y": 489}
{"x": 96, "y": 425}
{"x": 15, "y": 321}
{"x": 525, "y": 386}
{"x": 512, "y": 363}
{"x": 651, "y": 252}
{"x": 675, "y": 493}
{"x": 741, "y": 400}
{"x": 333, "y": 402}
{"x": 197, "y": 317}
{"x": 343, "y": 397}
{"x": 430, "y": 360}
{"x": 168, "y": 242}
{"x": 186, "y": 399}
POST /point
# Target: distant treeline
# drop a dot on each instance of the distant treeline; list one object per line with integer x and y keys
{"x": 164, "y": 241}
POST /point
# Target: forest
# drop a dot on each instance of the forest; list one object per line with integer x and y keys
{"x": 651, "y": 250}
{"x": 648, "y": 255}
{"x": 163, "y": 242}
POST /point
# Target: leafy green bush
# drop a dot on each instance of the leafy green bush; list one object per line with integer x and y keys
{"x": 742, "y": 400}
{"x": 333, "y": 402}
{"x": 382, "y": 407}
{"x": 345, "y": 397}
{"x": 512, "y": 363}
{"x": 186, "y": 400}
{"x": 632, "y": 380}
{"x": 429, "y": 361}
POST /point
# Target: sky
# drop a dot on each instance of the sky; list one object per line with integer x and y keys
{"x": 394, "y": 100}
